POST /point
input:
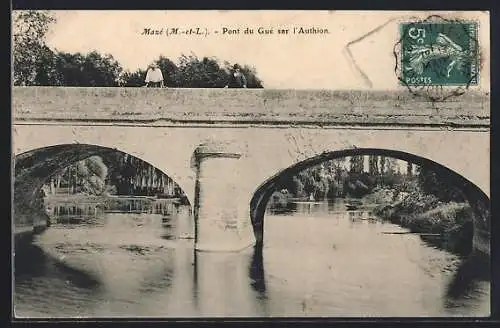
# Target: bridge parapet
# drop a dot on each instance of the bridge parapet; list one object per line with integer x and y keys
{"x": 257, "y": 106}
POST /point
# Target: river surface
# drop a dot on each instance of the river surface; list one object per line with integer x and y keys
{"x": 318, "y": 260}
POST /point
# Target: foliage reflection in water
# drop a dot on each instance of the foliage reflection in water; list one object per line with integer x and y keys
{"x": 327, "y": 262}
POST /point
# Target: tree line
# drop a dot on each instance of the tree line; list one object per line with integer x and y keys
{"x": 116, "y": 173}
{"x": 35, "y": 64}
{"x": 334, "y": 178}
{"x": 121, "y": 174}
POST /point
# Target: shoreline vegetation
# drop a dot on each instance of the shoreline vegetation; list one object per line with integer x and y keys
{"x": 419, "y": 199}
{"x": 447, "y": 226}
{"x": 424, "y": 214}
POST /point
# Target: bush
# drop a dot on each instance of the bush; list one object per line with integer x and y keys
{"x": 446, "y": 216}
{"x": 382, "y": 196}
{"x": 278, "y": 200}
{"x": 416, "y": 202}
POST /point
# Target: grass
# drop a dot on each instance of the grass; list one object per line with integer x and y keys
{"x": 422, "y": 213}
{"x": 440, "y": 219}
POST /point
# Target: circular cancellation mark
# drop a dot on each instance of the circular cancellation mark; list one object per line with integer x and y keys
{"x": 437, "y": 58}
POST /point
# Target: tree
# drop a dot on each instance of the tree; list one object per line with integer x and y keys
{"x": 45, "y": 71}
{"x": 338, "y": 170}
{"x": 134, "y": 79}
{"x": 431, "y": 183}
{"x": 89, "y": 70}
{"x": 357, "y": 164}
{"x": 253, "y": 82}
{"x": 382, "y": 160}
{"x": 132, "y": 176}
{"x": 195, "y": 73}
{"x": 69, "y": 68}
{"x": 409, "y": 169}
{"x": 391, "y": 165}
{"x": 169, "y": 71}
{"x": 101, "y": 70}
{"x": 92, "y": 173}
{"x": 373, "y": 165}
{"x": 32, "y": 58}
{"x": 86, "y": 176}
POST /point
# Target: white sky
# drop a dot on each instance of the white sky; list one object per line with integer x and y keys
{"x": 292, "y": 61}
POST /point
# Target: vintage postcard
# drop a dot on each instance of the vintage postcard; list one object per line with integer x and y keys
{"x": 183, "y": 164}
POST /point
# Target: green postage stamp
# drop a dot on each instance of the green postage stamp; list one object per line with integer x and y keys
{"x": 443, "y": 53}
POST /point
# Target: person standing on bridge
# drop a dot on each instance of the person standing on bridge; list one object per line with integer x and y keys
{"x": 237, "y": 79}
{"x": 154, "y": 77}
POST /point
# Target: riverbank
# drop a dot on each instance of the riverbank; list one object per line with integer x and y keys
{"x": 421, "y": 213}
{"x": 446, "y": 225}
{"x": 280, "y": 202}
{"x": 76, "y": 207}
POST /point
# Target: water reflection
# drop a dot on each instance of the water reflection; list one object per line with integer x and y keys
{"x": 317, "y": 259}
{"x": 223, "y": 284}
{"x": 40, "y": 263}
{"x": 256, "y": 272}
{"x": 470, "y": 282}
{"x": 44, "y": 282}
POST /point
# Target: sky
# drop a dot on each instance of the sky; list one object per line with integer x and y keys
{"x": 282, "y": 61}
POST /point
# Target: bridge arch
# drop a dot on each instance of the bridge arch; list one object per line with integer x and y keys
{"x": 477, "y": 198}
{"x": 33, "y": 168}
{"x": 39, "y": 164}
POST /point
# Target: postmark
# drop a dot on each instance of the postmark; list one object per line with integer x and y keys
{"x": 437, "y": 57}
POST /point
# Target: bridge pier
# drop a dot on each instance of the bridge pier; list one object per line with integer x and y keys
{"x": 221, "y": 212}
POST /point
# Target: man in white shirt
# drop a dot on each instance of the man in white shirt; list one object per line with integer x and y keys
{"x": 154, "y": 77}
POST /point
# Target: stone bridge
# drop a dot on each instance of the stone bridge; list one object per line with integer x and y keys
{"x": 228, "y": 149}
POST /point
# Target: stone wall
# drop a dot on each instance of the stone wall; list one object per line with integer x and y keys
{"x": 246, "y": 105}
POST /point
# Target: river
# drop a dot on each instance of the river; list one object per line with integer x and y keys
{"x": 317, "y": 260}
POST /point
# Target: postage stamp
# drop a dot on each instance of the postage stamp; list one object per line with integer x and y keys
{"x": 438, "y": 57}
{"x": 439, "y": 53}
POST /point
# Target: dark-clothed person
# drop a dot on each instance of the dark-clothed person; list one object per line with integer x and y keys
{"x": 237, "y": 79}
